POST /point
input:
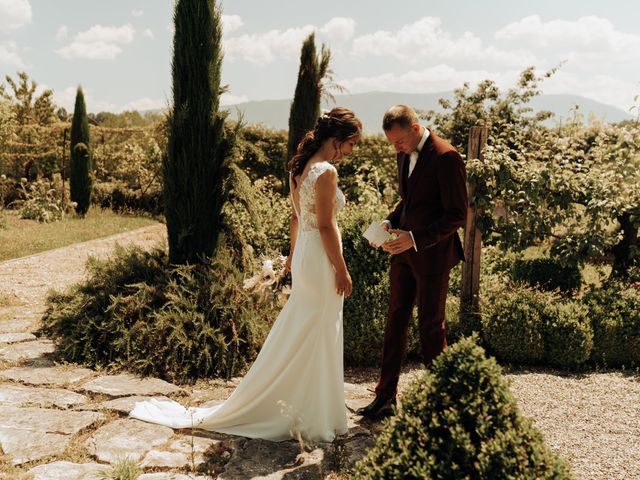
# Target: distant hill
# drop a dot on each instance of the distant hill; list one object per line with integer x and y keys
{"x": 371, "y": 106}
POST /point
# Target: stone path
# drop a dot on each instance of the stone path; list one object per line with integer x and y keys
{"x": 63, "y": 422}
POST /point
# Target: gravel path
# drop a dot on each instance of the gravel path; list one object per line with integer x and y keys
{"x": 592, "y": 420}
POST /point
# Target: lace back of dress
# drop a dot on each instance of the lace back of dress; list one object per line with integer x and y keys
{"x": 309, "y": 220}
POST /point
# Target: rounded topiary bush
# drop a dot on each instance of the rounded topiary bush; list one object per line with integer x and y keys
{"x": 568, "y": 337}
{"x": 513, "y": 329}
{"x": 529, "y": 326}
{"x": 614, "y": 311}
{"x": 460, "y": 421}
{"x": 181, "y": 323}
{"x": 548, "y": 274}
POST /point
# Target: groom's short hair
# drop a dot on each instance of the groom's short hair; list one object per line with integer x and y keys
{"x": 401, "y": 115}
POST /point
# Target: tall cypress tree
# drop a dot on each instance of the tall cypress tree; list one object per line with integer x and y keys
{"x": 305, "y": 108}
{"x": 196, "y": 162}
{"x": 80, "y": 179}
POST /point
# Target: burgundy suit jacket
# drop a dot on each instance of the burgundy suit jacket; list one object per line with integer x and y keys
{"x": 433, "y": 205}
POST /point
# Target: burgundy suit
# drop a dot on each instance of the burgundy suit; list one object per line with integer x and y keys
{"x": 433, "y": 206}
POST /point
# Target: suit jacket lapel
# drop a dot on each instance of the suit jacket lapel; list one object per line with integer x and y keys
{"x": 423, "y": 158}
{"x": 403, "y": 163}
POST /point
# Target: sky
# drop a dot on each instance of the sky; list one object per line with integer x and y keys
{"x": 120, "y": 51}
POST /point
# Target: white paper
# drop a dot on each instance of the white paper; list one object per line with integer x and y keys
{"x": 376, "y": 234}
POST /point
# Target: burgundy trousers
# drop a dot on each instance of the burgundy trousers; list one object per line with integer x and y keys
{"x": 410, "y": 285}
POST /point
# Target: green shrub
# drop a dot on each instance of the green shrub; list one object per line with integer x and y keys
{"x": 460, "y": 421}
{"x": 118, "y": 197}
{"x": 528, "y": 326}
{"x": 614, "y": 311}
{"x": 568, "y": 337}
{"x": 513, "y": 329}
{"x": 177, "y": 323}
{"x": 548, "y": 274}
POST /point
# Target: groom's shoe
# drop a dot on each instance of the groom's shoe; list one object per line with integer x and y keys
{"x": 380, "y": 407}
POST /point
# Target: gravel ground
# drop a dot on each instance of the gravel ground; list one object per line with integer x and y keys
{"x": 592, "y": 420}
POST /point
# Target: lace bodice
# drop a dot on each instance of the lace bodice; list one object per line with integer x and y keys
{"x": 307, "y": 214}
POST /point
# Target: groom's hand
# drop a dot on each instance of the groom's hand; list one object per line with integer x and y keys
{"x": 402, "y": 243}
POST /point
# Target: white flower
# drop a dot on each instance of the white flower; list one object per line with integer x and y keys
{"x": 250, "y": 283}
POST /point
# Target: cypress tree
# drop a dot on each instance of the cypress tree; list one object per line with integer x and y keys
{"x": 80, "y": 122}
{"x": 80, "y": 181}
{"x": 305, "y": 108}
{"x": 195, "y": 166}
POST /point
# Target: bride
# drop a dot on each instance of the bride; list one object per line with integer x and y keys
{"x": 295, "y": 386}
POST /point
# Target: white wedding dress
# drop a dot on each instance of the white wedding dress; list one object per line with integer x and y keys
{"x": 295, "y": 386}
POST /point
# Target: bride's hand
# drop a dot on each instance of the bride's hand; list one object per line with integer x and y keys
{"x": 287, "y": 263}
{"x": 344, "y": 285}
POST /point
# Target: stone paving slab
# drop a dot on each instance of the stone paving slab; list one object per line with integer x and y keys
{"x": 46, "y": 419}
{"x": 58, "y": 376}
{"x": 16, "y": 337}
{"x": 171, "y": 476}
{"x": 183, "y": 450}
{"x": 126, "y": 438}
{"x": 17, "y": 395}
{"x": 125, "y": 385}
{"x": 69, "y": 471}
{"x": 26, "y": 350}
{"x": 26, "y": 445}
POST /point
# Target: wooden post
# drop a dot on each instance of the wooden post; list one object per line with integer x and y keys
{"x": 470, "y": 293}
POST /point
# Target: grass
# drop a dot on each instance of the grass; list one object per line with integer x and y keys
{"x": 20, "y": 238}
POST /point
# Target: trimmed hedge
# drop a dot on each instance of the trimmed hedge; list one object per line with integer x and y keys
{"x": 528, "y": 326}
{"x": 614, "y": 311}
{"x": 548, "y": 274}
{"x": 460, "y": 421}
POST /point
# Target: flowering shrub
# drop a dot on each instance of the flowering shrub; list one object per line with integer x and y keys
{"x": 43, "y": 201}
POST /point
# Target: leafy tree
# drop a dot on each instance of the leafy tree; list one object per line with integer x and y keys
{"x": 196, "y": 165}
{"x": 28, "y": 107}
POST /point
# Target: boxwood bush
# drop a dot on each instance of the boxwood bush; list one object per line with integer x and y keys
{"x": 548, "y": 274}
{"x": 460, "y": 421}
{"x": 614, "y": 311}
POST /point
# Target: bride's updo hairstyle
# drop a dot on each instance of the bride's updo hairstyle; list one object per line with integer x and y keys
{"x": 340, "y": 123}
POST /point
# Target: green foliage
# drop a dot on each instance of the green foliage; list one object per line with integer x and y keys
{"x": 548, "y": 274}
{"x": 529, "y": 326}
{"x": 179, "y": 323}
{"x": 79, "y": 124}
{"x": 195, "y": 168}
{"x": 28, "y": 107}
{"x": 117, "y": 196}
{"x": 305, "y": 108}
{"x": 80, "y": 181}
{"x": 41, "y": 201}
{"x": 615, "y": 315}
{"x": 460, "y": 421}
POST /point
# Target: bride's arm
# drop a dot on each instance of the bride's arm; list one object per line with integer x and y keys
{"x": 293, "y": 228}
{"x": 326, "y": 187}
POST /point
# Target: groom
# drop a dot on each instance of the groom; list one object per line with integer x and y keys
{"x": 433, "y": 206}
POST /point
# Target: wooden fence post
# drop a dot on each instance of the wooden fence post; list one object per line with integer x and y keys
{"x": 470, "y": 292}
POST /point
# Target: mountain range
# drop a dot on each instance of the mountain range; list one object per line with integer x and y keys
{"x": 371, "y": 106}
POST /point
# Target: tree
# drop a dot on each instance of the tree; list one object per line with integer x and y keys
{"x": 80, "y": 157}
{"x": 80, "y": 178}
{"x": 28, "y": 107}
{"x": 305, "y": 108}
{"x": 196, "y": 165}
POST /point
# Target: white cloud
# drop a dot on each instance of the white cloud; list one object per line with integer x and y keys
{"x": 427, "y": 39}
{"x": 98, "y": 43}
{"x": 339, "y": 29}
{"x": 229, "y": 99}
{"x": 144, "y": 104}
{"x": 231, "y": 23}
{"x": 438, "y": 78}
{"x": 62, "y": 33}
{"x": 67, "y": 98}
{"x": 148, "y": 33}
{"x": 137, "y": 13}
{"x": 264, "y": 48}
{"x": 9, "y": 55}
{"x": 14, "y": 14}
